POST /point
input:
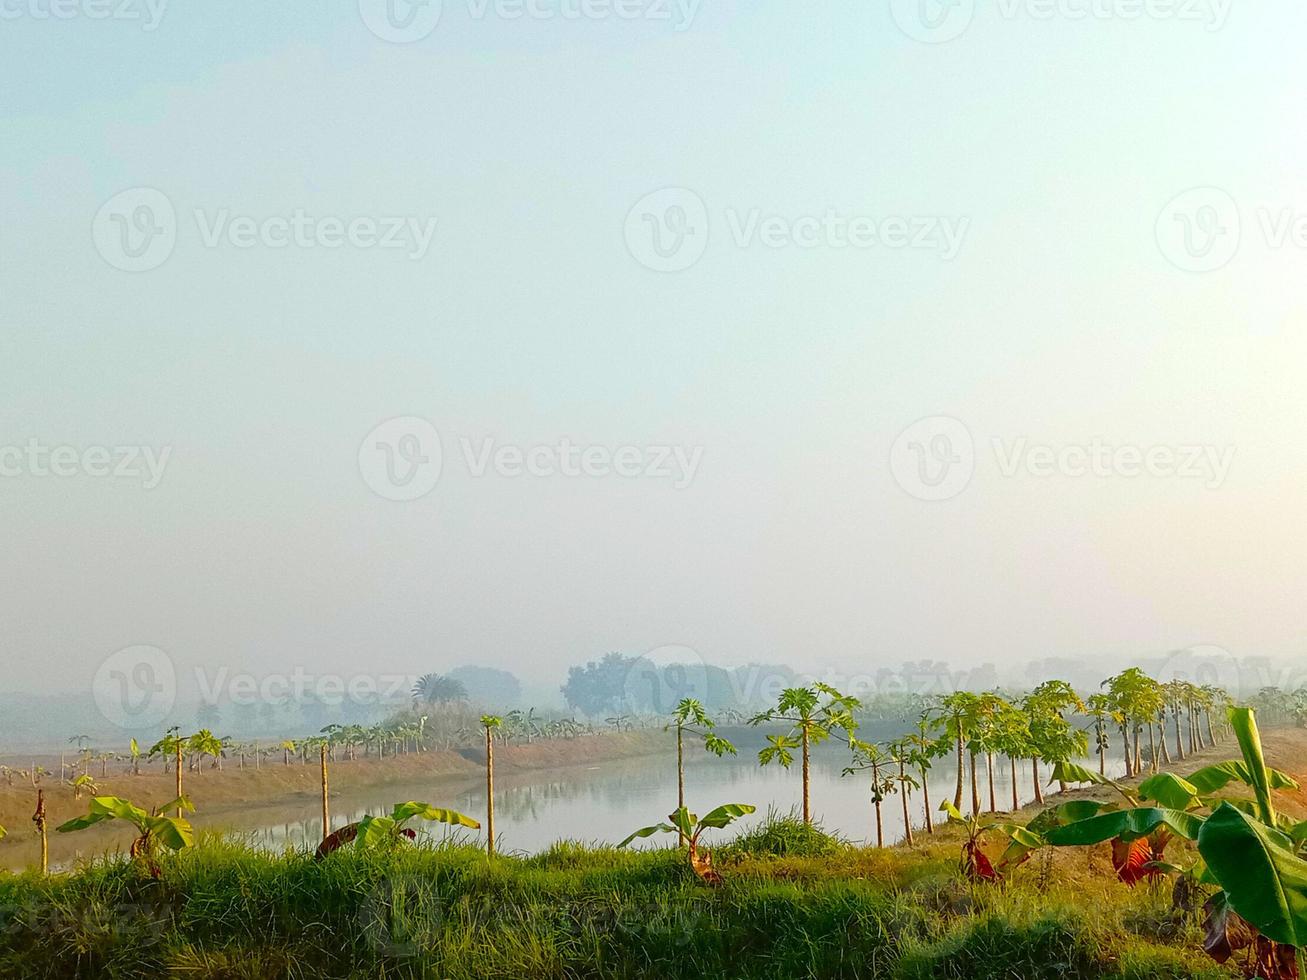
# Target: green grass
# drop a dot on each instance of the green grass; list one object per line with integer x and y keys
{"x": 795, "y": 905}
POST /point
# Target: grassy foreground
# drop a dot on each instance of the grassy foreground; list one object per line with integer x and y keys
{"x": 795, "y": 904}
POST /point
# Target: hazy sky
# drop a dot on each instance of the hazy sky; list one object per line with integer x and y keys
{"x": 757, "y": 337}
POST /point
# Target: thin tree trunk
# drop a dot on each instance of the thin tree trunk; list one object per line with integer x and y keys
{"x": 957, "y": 795}
{"x": 1161, "y": 740}
{"x": 1102, "y": 747}
{"x": 326, "y": 812}
{"x": 1034, "y": 771}
{"x": 807, "y": 811}
{"x": 975, "y": 787}
{"x": 38, "y": 818}
{"x": 989, "y": 773}
{"x": 925, "y": 794}
{"x": 903, "y": 792}
{"x": 178, "y": 768}
{"x": 1179, "y": 743}
{"x": 1152, "y": 747}
{"x": 490, "y": 794}
{"x": 1139, "y": 758}
{"x": 680, "y": 779}
{"x": 1125, "y": 739}
{"x": 1211, "y": 739}
{"x": 1016, "y": 805}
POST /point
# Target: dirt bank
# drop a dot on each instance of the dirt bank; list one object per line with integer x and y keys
{"x": 215, "y": 791}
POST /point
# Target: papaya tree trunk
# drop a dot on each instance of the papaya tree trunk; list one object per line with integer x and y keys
{"x": 925, "y": 795}
{"x": 903, "y": 792}
{"x": 1152, "y": 748}
{"x": 807, "y": 810}
{"x": 680, "y": 778}
{"x": 1016, "y": 805}
{"x": 989, "y": 774}
{"x": 490, "y": 794}
{"x": 1125, "y": 741}
{"x": 975, "y": 786}
{"x": 326, "y": 811}
{"x": 1034, "y": 772}
{"x": 178, "y": 769}
{"x": 957, "y": 794}
{"x": 1102, "y": 747}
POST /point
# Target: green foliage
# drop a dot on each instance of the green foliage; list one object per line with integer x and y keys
{"x": 687, "y": 825}
{"x": 174, "y": 833}
{"x": 381, "y": 831}
{"x": 785, "y": 835}
{"x": 1264, "y": 881}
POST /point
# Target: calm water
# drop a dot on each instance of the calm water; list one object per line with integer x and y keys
{"x": 606, "y": 802}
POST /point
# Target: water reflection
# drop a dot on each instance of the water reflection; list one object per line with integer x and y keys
{"x": 606, "y": 802}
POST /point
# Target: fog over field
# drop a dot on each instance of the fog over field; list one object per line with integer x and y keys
{"x": 340, "y": 345}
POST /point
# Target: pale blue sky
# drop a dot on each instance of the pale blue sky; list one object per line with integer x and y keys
{"x": 1059, "y": 321}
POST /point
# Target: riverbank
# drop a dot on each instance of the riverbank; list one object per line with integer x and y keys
{"x": 218, "y": 793}
{"x": 793, "y": 904}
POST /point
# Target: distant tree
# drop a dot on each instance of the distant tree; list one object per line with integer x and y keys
{"x": 208, "y": 715}
{"x": 598, "y": 687}
{"x": 438, "y": 689}
{"x": 488, "y": 686}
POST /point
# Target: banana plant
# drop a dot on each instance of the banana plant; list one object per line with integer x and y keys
{"x": 1250, "y": 852}
{"x": 688, "y": 827}
{"x": 377, "y": 832}
{"x": 152, "y": 828}
{"x": 691, "y": 717}
{"x": 975, "y": 863}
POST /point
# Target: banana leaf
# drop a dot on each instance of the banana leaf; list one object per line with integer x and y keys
{"x": 1264, "y": 883}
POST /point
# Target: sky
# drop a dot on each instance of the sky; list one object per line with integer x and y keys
{"x": 372, "y": 342}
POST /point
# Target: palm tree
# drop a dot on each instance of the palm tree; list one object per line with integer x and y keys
{"x": 438, "y": 689}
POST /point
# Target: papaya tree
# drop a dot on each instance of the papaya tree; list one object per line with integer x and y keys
{"x": 688, "y": 827}
{"x": 173, "y": 746}
{"x": 691, "y": 717}
{"x": 870, "y": 758}
{"x": 922, "y": 751}
{"x": 814, "y": 714}
{"x": 953, "y": 715}
{"x": 1052, "y": 738}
